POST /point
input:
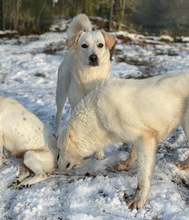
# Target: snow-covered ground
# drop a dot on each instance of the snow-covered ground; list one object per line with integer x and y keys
{"x": 28, "y": 73}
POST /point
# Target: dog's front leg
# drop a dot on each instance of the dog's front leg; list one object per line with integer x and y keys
{"x": 145, "y": 148}
{"x": 63, "y": 84}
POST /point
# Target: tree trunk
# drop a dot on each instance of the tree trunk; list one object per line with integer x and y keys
{"x": 111, "y": 13}
{"x": 121, "y": 13}
{"x": 2, "y": 16}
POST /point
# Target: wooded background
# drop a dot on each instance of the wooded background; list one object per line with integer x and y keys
{"x": 152, "y": 16}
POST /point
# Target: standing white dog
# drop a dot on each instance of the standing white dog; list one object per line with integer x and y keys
{"x": 86, "y": 64}
{"x": 23, "y": 134}
{"x": 139, "y": 112}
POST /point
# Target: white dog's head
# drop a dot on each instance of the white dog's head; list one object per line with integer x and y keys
{"x": 69, "y": 155}
{"x": 92, "y": 47}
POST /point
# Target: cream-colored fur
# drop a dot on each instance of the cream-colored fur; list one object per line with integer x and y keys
{"x": 23, "y": 134}
{"x": 85, "y": 65}
{"x": 139, "y": 112}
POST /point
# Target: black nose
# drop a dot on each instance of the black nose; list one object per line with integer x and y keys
{"x": 93, "y": 60}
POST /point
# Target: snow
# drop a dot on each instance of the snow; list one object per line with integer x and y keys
{"x": 95, "y": 191}
{"x": 184, "y": 39}
{"x": 166, "y": 38}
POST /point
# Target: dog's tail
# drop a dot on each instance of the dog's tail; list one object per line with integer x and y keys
{"x": 79, "y": 23}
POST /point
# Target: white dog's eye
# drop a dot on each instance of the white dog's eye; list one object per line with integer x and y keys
{"x": 100, "y": 45}
{"x": 84, "y": 45}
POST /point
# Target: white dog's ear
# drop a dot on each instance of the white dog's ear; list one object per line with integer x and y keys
{"x": 109, "y": 39}
{"x": 72, "y": 41}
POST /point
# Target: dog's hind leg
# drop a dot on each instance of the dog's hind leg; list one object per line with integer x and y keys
{"x": 145, "y": 148}
{"x": 184, "y": 165}
{"x": 128, "y": 163}
{"x": 33, "y": 160}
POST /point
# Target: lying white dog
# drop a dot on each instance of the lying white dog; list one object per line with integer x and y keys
{"x": 23, "y": 134}
{"x": 86, "y": 64}
{"x": 140, "y": 112}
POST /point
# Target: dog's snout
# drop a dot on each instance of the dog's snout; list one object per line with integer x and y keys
{"x": 93, "y": 58}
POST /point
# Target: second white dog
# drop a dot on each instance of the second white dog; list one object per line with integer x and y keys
{"x": 139, "y": 112}
{"x": 25, "y": 136}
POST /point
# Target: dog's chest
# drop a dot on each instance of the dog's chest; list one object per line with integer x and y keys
{"x": 88, "y": 77}
{"x": 81, "y": 84}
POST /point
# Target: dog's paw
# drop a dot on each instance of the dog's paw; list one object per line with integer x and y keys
{"x": 139, "y": 200}
{"x": 18, "y": 185}
{"x": 22, "y": 186}
{"x": 14, "y": 184}
{"x": 99, "y": 155}
{"x": 123, "y": 166}
{"x": 136, "y": 203}
{"x": 182, "y": 165}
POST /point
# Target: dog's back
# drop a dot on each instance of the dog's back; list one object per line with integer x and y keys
{"x": 158, "y": 101}
{"x": 22, "y": 127}
{"x": 79, "y": 23}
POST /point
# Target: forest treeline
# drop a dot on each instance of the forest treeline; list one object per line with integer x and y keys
{"x": 36, "y": 16}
